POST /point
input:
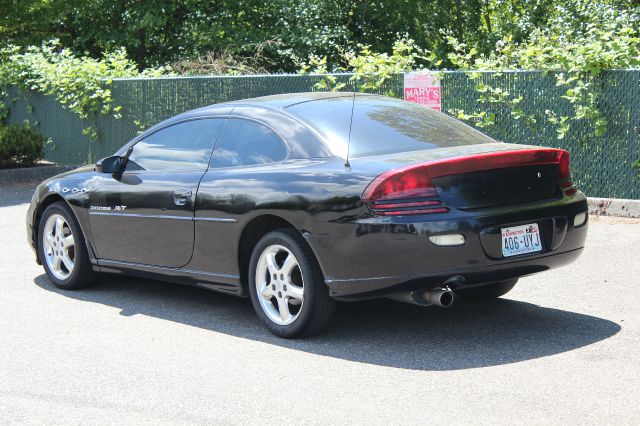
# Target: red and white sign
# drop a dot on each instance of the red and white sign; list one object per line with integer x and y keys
{"x": 422, "y": 88}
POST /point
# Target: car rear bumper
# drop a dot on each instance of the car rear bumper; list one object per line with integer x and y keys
{"x": 358, "y": 289}
{"x": 383, "y": 255}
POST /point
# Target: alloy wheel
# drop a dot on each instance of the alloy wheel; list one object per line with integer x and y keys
{"x": 279, "y": 285}
{"x": 59, "y": 246}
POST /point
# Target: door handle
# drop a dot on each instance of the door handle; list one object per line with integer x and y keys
{"x": 181, "y": 196}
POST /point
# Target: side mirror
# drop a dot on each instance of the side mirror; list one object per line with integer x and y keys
{"x": 114, "y": 164}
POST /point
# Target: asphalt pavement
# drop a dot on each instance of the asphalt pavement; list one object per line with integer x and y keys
{"x": 562, "y": 347}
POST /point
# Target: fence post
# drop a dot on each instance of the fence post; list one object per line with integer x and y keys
{"x": 633, "y": 145}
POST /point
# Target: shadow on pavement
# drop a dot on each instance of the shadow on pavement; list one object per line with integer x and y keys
{"x": 13, "y": 194}
{"x": 377, "y": 332}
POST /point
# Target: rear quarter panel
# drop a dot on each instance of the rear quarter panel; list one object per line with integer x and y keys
{"x": 317, "y": 197}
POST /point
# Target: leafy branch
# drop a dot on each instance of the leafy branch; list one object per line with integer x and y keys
{"x": 80, "y": 83}
{"x": 576, "y": 59}
{"x": 370, "y": 70}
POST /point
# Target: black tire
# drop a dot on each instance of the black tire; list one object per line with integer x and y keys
{"x": 82, "y": 274}
{"x": 317, "y": 307}
{"x": 487, "y": 291}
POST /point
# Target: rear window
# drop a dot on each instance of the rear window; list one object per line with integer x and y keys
{"x": 383, "y": 125}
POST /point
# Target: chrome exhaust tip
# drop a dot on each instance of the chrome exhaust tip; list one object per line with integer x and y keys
{"x": 442, "y": 297}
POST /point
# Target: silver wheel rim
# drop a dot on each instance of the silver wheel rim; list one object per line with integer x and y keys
{"x": 280, "y": 285}
{"x": 59, "y": 246}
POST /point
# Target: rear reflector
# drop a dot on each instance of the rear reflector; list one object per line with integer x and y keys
{"x": 580, "y": 219}
{"x": 400, "y": 191}
{"x": 447, "y": 240}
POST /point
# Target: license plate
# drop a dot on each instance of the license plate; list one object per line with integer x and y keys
{"x": 521, "y": 240}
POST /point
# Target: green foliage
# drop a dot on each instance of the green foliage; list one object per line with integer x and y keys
{"x": 79, "y": 83}
{"x": 20, "y": 146}
{"x": 318, "y": 66}
{"x": 575, "y": 58}
{"x": 30, "y": 22}
{"x": 371, "y": 70}
{"x": 167, "y": 31}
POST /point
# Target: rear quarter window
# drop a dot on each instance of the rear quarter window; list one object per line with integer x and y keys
{"x": 245, "y": 143}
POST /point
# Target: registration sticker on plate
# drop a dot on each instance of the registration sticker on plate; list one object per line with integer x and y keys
{"x": 520, "y": 240}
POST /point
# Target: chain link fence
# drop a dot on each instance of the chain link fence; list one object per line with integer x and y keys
{"x": 602, "y": 166}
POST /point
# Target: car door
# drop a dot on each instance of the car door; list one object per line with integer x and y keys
{"x": 145, "y": 215}
{"x": 232, "y": 187}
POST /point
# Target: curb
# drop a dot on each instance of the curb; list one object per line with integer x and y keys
{"x": 614, "y": 207}
{"x": 31, "y": 174}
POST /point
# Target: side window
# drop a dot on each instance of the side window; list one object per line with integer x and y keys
{"x": 245, "y": 142}
{"x": 183, "y": 146}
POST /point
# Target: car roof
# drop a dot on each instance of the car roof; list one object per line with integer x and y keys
{"x": 279, "y": 102}
{"x": 342, "y": 122}
{"x": 247, "y": 107}
{"x": 286, "y": 100}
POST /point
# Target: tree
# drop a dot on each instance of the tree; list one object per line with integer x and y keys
{"x": 164, "y": 31}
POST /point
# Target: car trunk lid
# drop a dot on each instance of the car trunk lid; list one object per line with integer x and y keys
{"x": 466, "y": 177}
{"x": 489, "y": 188}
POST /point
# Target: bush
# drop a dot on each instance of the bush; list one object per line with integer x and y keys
{"x": 20, "y": 146}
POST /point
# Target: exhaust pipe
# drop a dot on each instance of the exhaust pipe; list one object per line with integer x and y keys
{"x": 442, "y": 297}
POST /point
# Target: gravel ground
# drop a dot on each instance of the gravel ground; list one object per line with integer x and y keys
{"x": 562, "y": 347}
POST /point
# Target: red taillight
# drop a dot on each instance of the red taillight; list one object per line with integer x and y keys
{"x": 564, "y": 173}
{"x": 417, "y": 211}
{"x": 405, "y": 204}
{"x": 399, "y": 191}
{"x": 406, "y": 182}
{"x": 564, "y": 165}
{"x": 386, "y": 208}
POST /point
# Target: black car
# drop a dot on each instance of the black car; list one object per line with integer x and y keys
{"x": 300, "y": 200}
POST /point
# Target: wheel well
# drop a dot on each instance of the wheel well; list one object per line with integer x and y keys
{"x": 253, "y": 231}
{"x": 49, "y": 199}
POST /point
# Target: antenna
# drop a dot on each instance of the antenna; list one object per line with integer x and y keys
{"x": 353, "y": 106}
{"x": 355, "y": 85}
